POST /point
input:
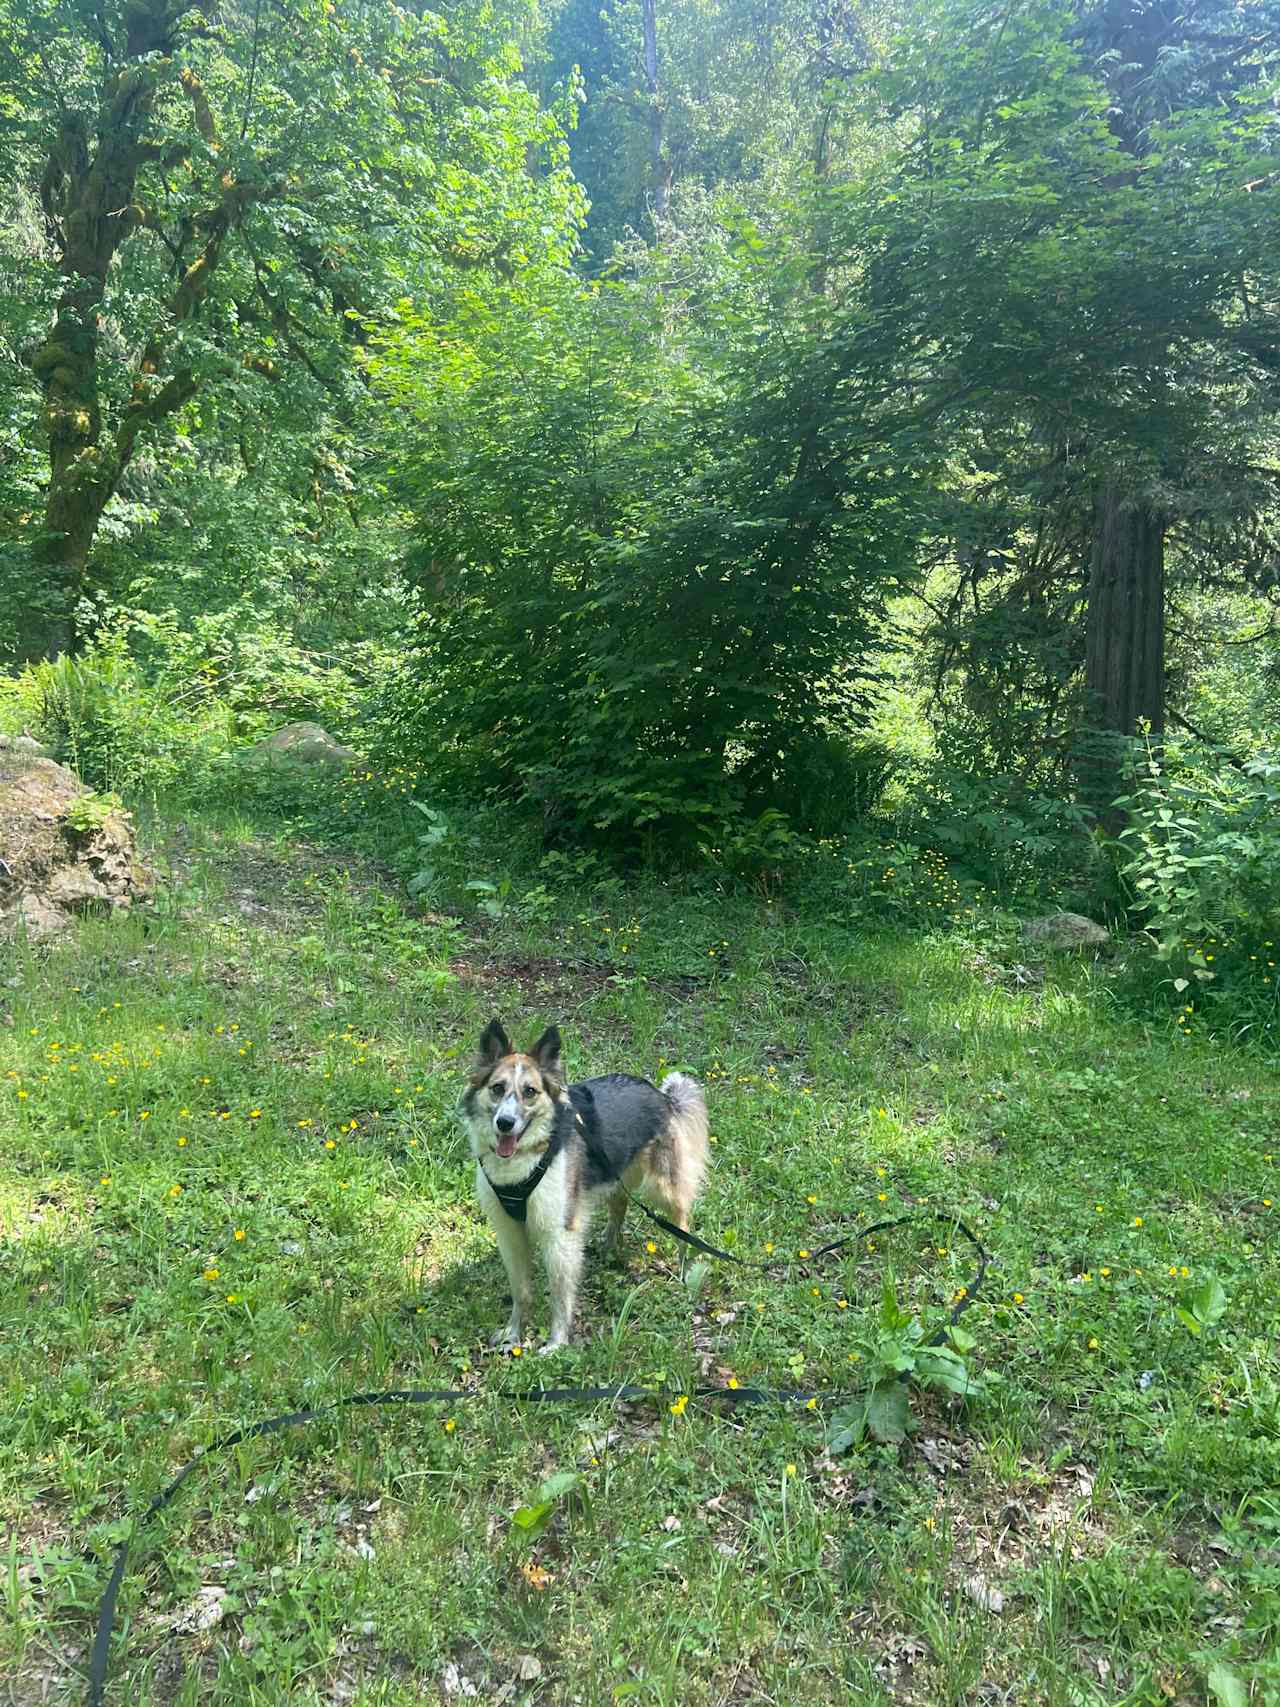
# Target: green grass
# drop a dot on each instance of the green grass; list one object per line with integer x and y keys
{"x": 230, "y": 1185}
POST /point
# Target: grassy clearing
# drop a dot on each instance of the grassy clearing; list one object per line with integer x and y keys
{"x": 229, "y": 1185}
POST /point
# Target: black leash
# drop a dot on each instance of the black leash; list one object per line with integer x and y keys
{"x": 99, "y": 1654}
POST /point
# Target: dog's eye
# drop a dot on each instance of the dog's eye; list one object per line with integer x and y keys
{"x": 530, "y": 1091}
{"x": 497, "y": 1088}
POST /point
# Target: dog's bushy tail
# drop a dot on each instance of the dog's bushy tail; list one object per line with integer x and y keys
{"x": 687, "y": 1136}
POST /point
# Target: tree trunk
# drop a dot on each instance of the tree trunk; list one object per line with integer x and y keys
{"x": 659, "y": 170}
{"x": 1124, "y": 638}
{"x": 67, "y": 366}
{"x": 88, "y": 198}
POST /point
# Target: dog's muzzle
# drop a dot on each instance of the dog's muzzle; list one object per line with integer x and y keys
{"x": 509, "y": 1131}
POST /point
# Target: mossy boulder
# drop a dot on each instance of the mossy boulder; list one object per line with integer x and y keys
{"x": 304, "y": 744}
{"x": 64, "y": 850}
{"x": 1065, "y": 931}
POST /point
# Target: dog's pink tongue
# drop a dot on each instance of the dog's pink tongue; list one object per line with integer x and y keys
{"x": 506, "y": 1145}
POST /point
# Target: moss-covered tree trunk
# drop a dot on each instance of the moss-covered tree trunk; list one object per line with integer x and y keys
{"x": 89, "y": 198}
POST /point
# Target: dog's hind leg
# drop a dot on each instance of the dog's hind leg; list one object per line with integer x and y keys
{"x": 632, "y": 1180}
{"x": 617, "y": 1215}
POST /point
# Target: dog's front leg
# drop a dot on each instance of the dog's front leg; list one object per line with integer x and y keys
{"x": 513, "y": 1243}
{"x": 564, "y": 1270}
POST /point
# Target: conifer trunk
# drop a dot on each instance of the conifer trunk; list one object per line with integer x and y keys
{"x": 1124, "y": 638}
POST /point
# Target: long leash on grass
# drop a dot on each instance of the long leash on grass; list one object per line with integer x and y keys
{"x": 99, "y": 1654}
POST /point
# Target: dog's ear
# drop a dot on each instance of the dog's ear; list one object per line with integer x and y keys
{"x": 546, "y": 1055}
{"x": 494, "y": 1044}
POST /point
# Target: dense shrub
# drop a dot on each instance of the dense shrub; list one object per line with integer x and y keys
{"x": 821, "y": 784}
{"x": 1202, "y": 857}
{"x": 118, "y": 730}
{"x": 1015, "y": 840}
{"x": 155, "y": 706}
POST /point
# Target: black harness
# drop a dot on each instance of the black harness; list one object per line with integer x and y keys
{"x": 515, "y": 1198}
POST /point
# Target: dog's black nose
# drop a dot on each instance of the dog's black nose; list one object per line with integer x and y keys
{"x": 505, "y": 1122}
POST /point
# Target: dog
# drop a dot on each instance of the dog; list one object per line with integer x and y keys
{"x": 548, "y": 1154}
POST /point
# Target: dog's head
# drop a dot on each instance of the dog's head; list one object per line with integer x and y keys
{"x": 511, "y": 1098}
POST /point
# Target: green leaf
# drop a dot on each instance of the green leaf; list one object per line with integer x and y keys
{"x": 533, "y": 1519}
{"x": 1209, "y": 1301}
{"x": 888, "y": 1417}
{"x": 562, "y": 1483}
{"x": 846, "y": 1428}
{"x": 892, "y": 1315}
{"x": 947, "y": 1369}
{"x": 1226, "y": 1686}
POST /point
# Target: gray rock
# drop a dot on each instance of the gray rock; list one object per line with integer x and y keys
{"x": 33, "y": 918}
{"x": 23, "y": 744}
{"x": 1065, "y": 930}
{"x": 304, "y": 744}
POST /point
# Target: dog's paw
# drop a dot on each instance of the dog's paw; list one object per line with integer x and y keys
{"x": 505, "y": 1338}
{"x": 552, "y": 1345}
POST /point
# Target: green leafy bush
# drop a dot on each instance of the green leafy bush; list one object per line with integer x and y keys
{"x": 821, "y": 784}
{"x": 1203, "y": 844}
{"x": 89, "y": 812}
{"x": 899, "y": 1353}
{"x": 1202, "y": 861}
{"x": 158, "y": 705}
{"x": 1014, "y": 840}
{"x": 650, "y": 579}
{"x": 120, "y": 732}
